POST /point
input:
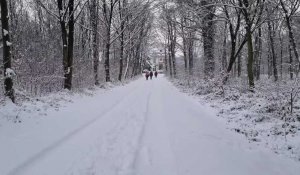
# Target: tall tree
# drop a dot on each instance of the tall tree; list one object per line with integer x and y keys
{"x": 108, "y": 7}
{"x": 172, "y": 38}
{"x": 233, "y": 17}
{"x": 8, "y": 72}
{"x": 258, "y": 52}
{"x": 208, "y": 34}
{"x": 272, "y": 45}
{"x": 252, "y": 12}
{"x": 95, "y": 35}
{"x": 289, "y": 8}
{"x": 122, "y": 10}
{"x": 67, "y": 24}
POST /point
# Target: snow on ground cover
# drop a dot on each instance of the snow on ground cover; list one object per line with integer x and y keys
{"x": 28, "y": 107}
{"x": 32, "y": 106}
{"x": 260, "y": 116}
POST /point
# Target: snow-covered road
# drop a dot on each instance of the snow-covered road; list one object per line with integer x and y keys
{"x": 143, "y": 128}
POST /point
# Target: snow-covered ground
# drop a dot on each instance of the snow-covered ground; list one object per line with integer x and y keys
{"x": 143, "y": 128}
{"x": 262, "y": 117}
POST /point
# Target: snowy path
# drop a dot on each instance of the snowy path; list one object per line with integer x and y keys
{"x": 144, "y": 128}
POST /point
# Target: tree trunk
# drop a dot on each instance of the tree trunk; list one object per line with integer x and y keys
{"x": 106, "y": 62}
{"x": 94, "y": 16}
{"x": 290, "y": 31}
{"x": 250, "y": 58}
{"x": 173, "y": 46}
{"x": 166, "y": 58}
{"x": 291, "y": 66}
{"x": 108, "y": 19}
{"x": 272, "y": 47}
{"x": 239, "y": 65}
{"x": 208, "y": 40}
{"x": 281, "y": 56}
{"x": 170, "y": 56}
{"x": 185, "y": 55}
{"x": 173, "y": 57}
{"x": 128, "y": 56}
{"x": 170, "y": 61}
{"x": 69, "y": 73}
{"x": 121, "y": 57}
{"x": 68, "y": 41}
{"x": 191, "y": 53}
{"x": 121, "y": 12}
{"x": 249, "y": 22}
{"x": 184, "y": 43}
{"x": 8, "y": 82}
{"x": 259, "y": 55}
{"x": 224, "y": 52}
{"x": 269, "y": 61}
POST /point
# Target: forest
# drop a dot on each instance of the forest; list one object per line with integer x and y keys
{"x": 53, "y": 45}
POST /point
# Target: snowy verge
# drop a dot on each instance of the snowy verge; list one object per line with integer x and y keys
{"x": 263, "y": 117}
{"x": 30, "y": 107}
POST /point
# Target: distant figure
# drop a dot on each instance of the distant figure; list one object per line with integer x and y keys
{"x": 151, "y": 75}
{"x": 155, "y": 74}
{"x": 147, "y": 75}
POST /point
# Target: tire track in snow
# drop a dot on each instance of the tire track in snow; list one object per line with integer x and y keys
{"x": 141, "y": 136}
{"x": 32, "y": 160}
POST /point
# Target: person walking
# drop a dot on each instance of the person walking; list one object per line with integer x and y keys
{"x": 155, "y": 74}
{"x": 147, "y": 75}
{"x": 151, "y": 75}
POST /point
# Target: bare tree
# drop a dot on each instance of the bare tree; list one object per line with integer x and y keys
{"x": 108, "y": 12}
{"x": 252, "y": 12}
{"x": 8, "y": 72}
{"x": 208, "y": 34}
{"x": 171, "y": 37}
{"x": 94, "y": 20}
{"x": 289, "y": 9}
{"x": 272, "y": 45}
